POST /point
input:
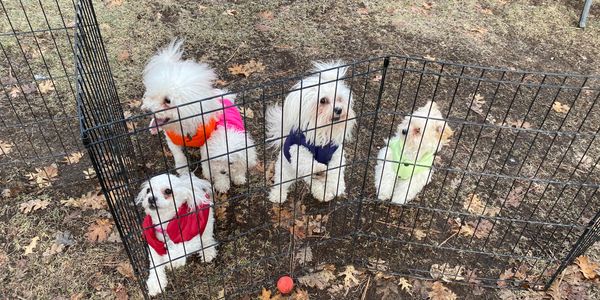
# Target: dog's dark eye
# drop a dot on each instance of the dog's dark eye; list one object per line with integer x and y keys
{"x": 168, "y": 192}
{"x": 404, "y": 131}
{"x": 324, "y": 100}
{"x": 148, "y": 191}
{"x": 167, "y": 100}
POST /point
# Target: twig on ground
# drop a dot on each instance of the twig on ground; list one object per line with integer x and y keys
{"x": 451, "y": 236}
{"x": 364, "y": 294}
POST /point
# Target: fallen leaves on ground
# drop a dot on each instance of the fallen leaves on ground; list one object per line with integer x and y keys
{"x": 5, "y": 148}
{"x": 447, "y": 273}
{"x": 73, "y": 158}
{"x": 247, "y": 69}
{"x": 517, "y": 124}
{"x": 90, "y": 200}
{"x": 475, "y": 206}
{"x": 349, "y": 275}
{"x": 33, "y": 205}
{"x": 405, "y": 285}
{"x": 427, "y": 5}
{"x": 428, "y": 57}
{"x": 571, "y": 284}
{"x": 387, "y": 288}
{"x": 504, "y": 277}
{"x": 46, "y": 86}
{"x": 90, "y": 173}
{"x": 124, "y": 268}
{"x": 120, "y": 292}
{"x": 588, "y": 268}
{"x": 267, "y": 15}
{"x": 43, "y": 177}
{"x": 123, "y": 56}
{"x": 53, "y": 249}
{"x": 304, "y": 255}
{"x": 247, "y": 112}
{"x": 479, "y": 229}
{"x": 99, "y": 230}
{"x": 230, "y": 12}
{"x": 319, "y": 279}
{"x": 515, "y": 197}
{"x": 363, "y": 11}
{"x": 560, "y": 108}
{"x": 113, "y": 3}
{"x": 440, "y": 292}
{"x": 32, "y": 244}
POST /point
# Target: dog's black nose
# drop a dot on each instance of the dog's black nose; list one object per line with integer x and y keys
{"x": 223, "y": 172}
{"x": 337, "y": 110}
{"x": 152, "y": 201}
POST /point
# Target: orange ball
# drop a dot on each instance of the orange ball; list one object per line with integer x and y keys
{"x": 285, "y": 284}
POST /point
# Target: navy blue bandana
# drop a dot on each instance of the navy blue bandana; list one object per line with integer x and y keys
{"x": 322, "y": 154}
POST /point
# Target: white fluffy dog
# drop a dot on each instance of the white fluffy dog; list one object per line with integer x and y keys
{"x": 173, "y": 89}
{"x": 310, "y": 129}
{"x": 404, "y": 164}
{"x": 179, "y": 221}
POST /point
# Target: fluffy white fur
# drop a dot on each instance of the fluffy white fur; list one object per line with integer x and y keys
{"x": 421, "y": 134}
{"x": 305, "y": 110}
{"x": 161, "y": 206}
{"x": 170, "y": 84}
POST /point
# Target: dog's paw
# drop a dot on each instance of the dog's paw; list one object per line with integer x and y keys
{"x": 209, "y": 254}
{"x": 277, "y": 196}
{"x": 153, "y": 285}
{"x": 221, "y": 185}
{"x": 239, "y": 179}
{"x": 177, "y": 263}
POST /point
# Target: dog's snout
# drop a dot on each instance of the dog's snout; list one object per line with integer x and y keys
{"x": 337, "y": 110}
{"x": 152, "y": 201}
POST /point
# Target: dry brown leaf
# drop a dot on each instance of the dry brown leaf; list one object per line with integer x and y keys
{"x": 427, "y": 5}
{"x": 53, "y": 249}
{"x": 43, "y": 177}
{"x": 247, "y": 69}
{"x": 560, "y": 108}
{"x": 123, "y": 56}
{"x": 479, "y": 30}
{"x": 33, "y": 205}
{"x": 113, "y": 3}
{"x": 319, "y": 279}
{"x": 515, "y": 197}
{"x": 419, "y": 234}
{"x": 300, "y": 295}
{"x": 230, "y": 12}
{"x": 29, "y": 248}
{"x": 77, "y": 296}
{"x": 447, "y": 273}
{"x": 588, "y": 268}
{"x": 220, "y": 82}
{"x": 90, "y": 200}
{"x": 90, "y": 173}
{"x": 5, "y": 148}
{"x": 479, "y": 230}
{"x": 362, "y": 11}
{"x": 405, "y": 285}
{"x": 349, "y": 275}
{"x": 221, "y": 210}
{"x": 303, "y": 255}
{"x": 267, "y": 15}
{"x": 46, "y": 86}
{"x": 377, "y": 78}
{"x": 475, "y": 206}
{"x": 14, "y": 92}
{"x": 440, "y": 292}
{"x": 247, "y": 112}
{"x": 386, "y": 288}
{"x": 30, "y": 88}
{"x": 99, "y": 230}
{"x": 120, "y": 292}
{"x": 429, "y": 57}
{"x": 125, "y": 269}
{"x": 506, "y": 275}
{"x": 518, "y": 124}
{"x": 73, "y": 158}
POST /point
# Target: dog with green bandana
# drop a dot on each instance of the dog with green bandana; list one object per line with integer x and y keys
{"x": 404, "y": 165}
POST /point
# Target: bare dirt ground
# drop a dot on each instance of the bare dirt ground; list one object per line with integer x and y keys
{"x": 65, "y": 261}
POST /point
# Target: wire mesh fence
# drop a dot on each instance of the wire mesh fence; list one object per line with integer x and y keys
{"x": 515, "y": 186}
{"x": 38, "y": 121}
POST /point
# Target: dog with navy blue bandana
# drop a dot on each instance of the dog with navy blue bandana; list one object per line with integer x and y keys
{"x": 310, "y": 130}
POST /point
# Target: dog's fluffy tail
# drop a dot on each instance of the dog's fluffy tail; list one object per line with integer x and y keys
{"x": 170, "y": 54}
{"x": 274, "y": 120}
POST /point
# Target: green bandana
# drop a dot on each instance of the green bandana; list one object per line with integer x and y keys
{"x": 405, "y": 167}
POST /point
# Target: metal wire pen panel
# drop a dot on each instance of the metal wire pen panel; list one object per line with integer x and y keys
{"x": 38, "y": 119}
{"x": 514, "y": 186}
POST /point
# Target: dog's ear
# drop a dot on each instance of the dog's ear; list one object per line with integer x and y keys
{"x": 142, "y": 194}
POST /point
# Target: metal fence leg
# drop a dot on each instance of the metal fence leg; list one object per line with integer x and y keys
{"x": 585, "y": 13}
